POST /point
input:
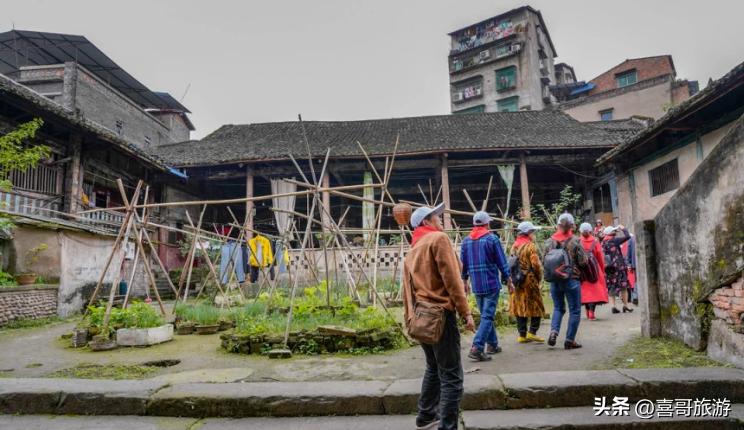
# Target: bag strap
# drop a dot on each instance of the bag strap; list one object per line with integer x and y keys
{"x": 410, "y": 294}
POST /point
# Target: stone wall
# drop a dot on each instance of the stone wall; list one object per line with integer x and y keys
{"x": 699, "y": 242}
{"x": 726, "y": 339}
{"x": 27, "y": 302}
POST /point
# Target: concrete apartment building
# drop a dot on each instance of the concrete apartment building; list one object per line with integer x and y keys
{"x": 73, "y": 72}
{"x": 502, "y": 64}
{"x": 645, "y": 87}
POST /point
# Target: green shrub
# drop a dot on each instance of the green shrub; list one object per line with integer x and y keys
{"x": 6, "y": 279}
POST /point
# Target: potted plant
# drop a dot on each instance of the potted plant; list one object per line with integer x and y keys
{"x": 207, "y": 319}
{"x": 184, "y": 319}
{"x": 142, "y": 326}
{"x": 32, "y": 256}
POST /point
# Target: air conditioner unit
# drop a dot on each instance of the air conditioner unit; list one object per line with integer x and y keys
{"x": 478, "y": 91}
{"x": 456, "y": 97}
{"x": 484, "y": 55}
{"x": 516, "y": 48}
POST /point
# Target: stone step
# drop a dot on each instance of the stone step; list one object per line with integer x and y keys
{"x": 523, "y": 419}
{"x": 584, "y": 418}
{"x": 482, "y": 392}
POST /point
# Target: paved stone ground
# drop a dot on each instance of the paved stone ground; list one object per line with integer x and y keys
{"x": 37, "y": 352}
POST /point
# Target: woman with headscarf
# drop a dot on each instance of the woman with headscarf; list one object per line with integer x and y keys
{"x": 526, "y": 303}
{"x": 593, "y": 293}
{"x": 616, "y": 269}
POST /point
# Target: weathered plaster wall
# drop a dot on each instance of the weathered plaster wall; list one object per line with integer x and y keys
{"x": 27, "y": 302}
{"x": 26, "y": 237}
{"x": 645, "y": 102}
{"x": 641, "y": 206}
{"x": 82, "y": 259}
{"x": 699, "y": 239}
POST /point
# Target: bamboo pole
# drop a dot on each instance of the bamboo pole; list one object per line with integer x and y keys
{"x": 136, "y": 255}
{"x": 212, "y": 271}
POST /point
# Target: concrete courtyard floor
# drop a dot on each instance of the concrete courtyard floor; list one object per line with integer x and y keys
{"x": 36, "y": 352}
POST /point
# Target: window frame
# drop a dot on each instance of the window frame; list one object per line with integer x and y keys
{"x": 659, "y": 185}
{"x": 503, "y": 70}
{"x": 473, "y": 109}
{"x": 622, "y": 77}
{"x": 501, "y": 102}
{"x": 606, "y": 111}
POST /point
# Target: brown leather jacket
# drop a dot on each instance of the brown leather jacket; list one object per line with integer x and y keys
{"x": 435, "y": 271}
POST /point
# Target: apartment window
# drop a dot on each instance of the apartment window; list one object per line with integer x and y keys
{"x": 626, "y": 78}
{"x": 506, "y": 79}
{"x": 605, "y": 115}
{"x": 664, "y": 178}
{"x": 510, "y": 104}
{"x": 466, "y": 91}
{"x": 474, "y": 109}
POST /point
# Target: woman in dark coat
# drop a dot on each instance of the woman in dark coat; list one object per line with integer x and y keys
{"x": 616, "y": 269}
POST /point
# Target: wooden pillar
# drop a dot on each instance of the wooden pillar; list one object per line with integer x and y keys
{"x": 524, "y": 185}
{"x": 326, "y": 196}
{"x": 445, "y": 191}
{"x": 74, "y": 176}
{"x": 249, "y": 204}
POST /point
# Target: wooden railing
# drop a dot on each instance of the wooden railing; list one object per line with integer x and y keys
{"x": 22, "y": 204}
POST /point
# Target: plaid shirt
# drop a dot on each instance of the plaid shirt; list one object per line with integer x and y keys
{"x": 482, "y": 259}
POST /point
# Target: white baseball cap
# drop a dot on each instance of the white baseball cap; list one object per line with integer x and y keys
{"x": 481, "y": 218}
{"x": 585, "y": 227}
{"x": 609, "y": 230}
{"x": 526, "y": 227}
{"x": 424, "y": 211}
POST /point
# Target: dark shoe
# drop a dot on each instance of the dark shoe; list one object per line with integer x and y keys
{"x": 635, "y": 302}
{"x": 478, "y": 355}
{"x": 569, "y": 344}
{"x": 552, "y": 338}
{"x": 493, "y": 349}
{"x": 433, "y": 425}
{"x": 615, "y": 311}
{"x": 626, "y": 309}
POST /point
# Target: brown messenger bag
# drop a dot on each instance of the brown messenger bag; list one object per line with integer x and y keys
{"x": 426, "y": 324}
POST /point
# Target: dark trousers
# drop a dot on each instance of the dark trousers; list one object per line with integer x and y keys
{"x": 441, "y": 389}
{"x": 591, "y": 306}
{"x": 256, "y": 270}
{"x": 522, "y": 325}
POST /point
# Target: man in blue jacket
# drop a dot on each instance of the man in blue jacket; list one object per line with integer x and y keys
{"x": 482, "y": 259}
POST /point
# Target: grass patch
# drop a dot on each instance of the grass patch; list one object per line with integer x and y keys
{"x": 31, "y": 323}
{"x": 109, "y": 371}
{"x": 643, "y": 352}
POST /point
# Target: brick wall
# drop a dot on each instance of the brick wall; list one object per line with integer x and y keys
{"x": 647, "y": 68}
{"x": 728, "y": 303}
{"x": 27, "y": 302}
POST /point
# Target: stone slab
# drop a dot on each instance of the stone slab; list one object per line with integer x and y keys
{"x": 567, "y": 388}
{"x": 691, "y": 382}
{"x": 583, "y": 418}
{"x": 481, "y": 392}
{"x": 281, "y": 399}
{"x": 45, "y": 422}
{"x": 75, "y": 396}
{"x": 144, "y": 336}
{"x": 369, "y": 422}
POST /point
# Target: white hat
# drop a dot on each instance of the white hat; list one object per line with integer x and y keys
{"x": 609, "y": 230}
{"x": 566, "y": 217}
{"x": 526, "y": 227}
{"x": 585, "y": 227}
{"x": 423, "y": 212}
{"x": 481, "y": 218}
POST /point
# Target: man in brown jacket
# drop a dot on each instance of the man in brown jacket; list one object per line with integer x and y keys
{"x": 432, "y": 271}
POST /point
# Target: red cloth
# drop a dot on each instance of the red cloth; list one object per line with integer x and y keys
{"x": 631, "y": 272}
{"x": 594, "y": 292}
{"x": 521, "y": 240}
{"x": 478, "y": 232}
{"x": 560, "y": 236}
{"x": 420, "y": 232}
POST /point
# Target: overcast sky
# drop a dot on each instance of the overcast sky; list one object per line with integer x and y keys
{"x": 259, "y": 61}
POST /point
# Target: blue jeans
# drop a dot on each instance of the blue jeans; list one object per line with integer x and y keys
{"x": 562, "y": 292}
{"x": 486, "y": 333}
{"x": 441, "y": 389}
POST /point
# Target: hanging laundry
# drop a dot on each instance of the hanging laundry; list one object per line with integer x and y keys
{"x": 227, "y": 266}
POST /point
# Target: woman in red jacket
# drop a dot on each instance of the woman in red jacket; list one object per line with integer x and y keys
{"x": 593, "y": 293}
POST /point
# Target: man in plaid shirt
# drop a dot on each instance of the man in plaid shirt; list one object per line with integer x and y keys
{"x": 482, "y": 259}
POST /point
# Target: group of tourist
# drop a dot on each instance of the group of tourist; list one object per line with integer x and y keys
{"x": 589, "y": 269}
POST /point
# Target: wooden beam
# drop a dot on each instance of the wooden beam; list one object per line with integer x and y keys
{"x": 249, "y": 203}
{"x": 446, "y": 191}
{"x": 74, "y": 175}
{"x": 524, "y": 185}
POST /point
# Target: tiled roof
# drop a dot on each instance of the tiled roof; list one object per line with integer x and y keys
{"x": 711, "y": 92}
{"x": 9, "y": 86}
{"x": 548, "y": 129}
{"x": 622, "y": 128}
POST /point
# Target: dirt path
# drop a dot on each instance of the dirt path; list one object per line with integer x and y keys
{"x": 37, "y": 352}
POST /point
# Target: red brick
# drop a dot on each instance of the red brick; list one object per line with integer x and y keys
{"x": 647, "y": 68}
